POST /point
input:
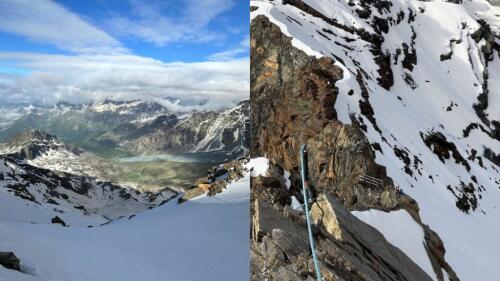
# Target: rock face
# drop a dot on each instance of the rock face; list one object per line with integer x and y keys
{"x": 293, "y": 97}
{"x": 216, "y": 180}
{"x": 347, "y": 248}
{"x": 347, "y": 229}
{"x": 10, "y": 261}
{"x": 33, "y": 143}
{"x": 201, "y": 132}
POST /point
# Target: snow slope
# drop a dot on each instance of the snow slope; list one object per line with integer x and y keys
{"x": 203, "y": 239}
{"x": 399, "y": 228}
{"x": 46, "y": 193}
{"x": 428, "y": 96}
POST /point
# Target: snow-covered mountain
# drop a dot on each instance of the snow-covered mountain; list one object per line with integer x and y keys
{"x": 110, "y": 127}
{"x": 420, "y": 81}
{"x": 195, "y": 240}
{"x": 226, "y": 131}
{"x": 40, "y": 149}
{"x": 74, "y": 122}
{"x": 58, "y": 193}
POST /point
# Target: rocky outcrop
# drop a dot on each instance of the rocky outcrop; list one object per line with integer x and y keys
{"x": 293, "y": 102}
{"x": 347, "y": 248}
{"x": 216, "y": 180}
{"x": 293, "y": 97}
{"x": 58, "y": 220}
{"x": 33, "y": 143}
{"x": 10, "y": 260}
{"x": 209, "y": 131}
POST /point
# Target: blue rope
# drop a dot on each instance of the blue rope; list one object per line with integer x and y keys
{"x": 305, "y": 190}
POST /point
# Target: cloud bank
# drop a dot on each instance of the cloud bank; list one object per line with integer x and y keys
{"x": 85, "y": 78}
{"x": 99, "y": 67}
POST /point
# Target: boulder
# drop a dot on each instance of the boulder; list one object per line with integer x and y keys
{"x": 204, "y": 186}
{"x": 191, "y": 193}
{"x": 10, "y": 260}
{"x": 58, "y": 220}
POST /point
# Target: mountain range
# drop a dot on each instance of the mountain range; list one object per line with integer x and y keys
{"x": 398, "y": 104}
{"x": 118, "y": 128}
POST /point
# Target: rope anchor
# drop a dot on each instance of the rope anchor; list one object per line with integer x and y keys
{"x": 305, "y": 190}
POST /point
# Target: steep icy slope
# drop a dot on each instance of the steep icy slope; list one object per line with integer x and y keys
{"x": 205, "y": 238}
{"x": 421, "y": 80}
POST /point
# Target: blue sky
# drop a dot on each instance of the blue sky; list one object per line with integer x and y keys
{"x": 174, "y": 48}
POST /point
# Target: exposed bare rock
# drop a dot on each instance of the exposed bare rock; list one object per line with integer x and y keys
{"x": 293, "y": 102}
{"x": 216, "y": 180}
{"x": 266, "y": 219}
{"x": 345, "y": 227}
{"x": 293, "y": 97}
{"x": 348, "y": 248}
{"x": 211, "y": 131}
{"x": 10, "y": 260}
{"x": 58, "y": 220}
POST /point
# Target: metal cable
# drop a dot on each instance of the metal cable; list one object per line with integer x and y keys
{"x": 305, "y": 191}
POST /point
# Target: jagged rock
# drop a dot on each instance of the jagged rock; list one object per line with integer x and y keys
{"x": 346, "y": 228}
{"x": 266, "y": 219}
{"x": 436, "y": 251}
{"x": 271, "y": 190}
{"x": 58, "y": 220}
{"x": 443, "y": 148}
{"x": 293, "y": 96}
{"x": 289, "y": 242}
{"x": 348, "y": 249}
{"x": 190, "y": 194}
{"x": 200, "y": 132}
{"x": 10, "y": 260}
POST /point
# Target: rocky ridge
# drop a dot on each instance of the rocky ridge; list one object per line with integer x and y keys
{"x": 42, "y": 150}
{"x": 294, "y": 100}
{"x": 225, "y": 131}
{"x": 136, "y": 127}
{"x": 65, "y": 192}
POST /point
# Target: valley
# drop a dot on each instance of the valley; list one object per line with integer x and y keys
{"x": 139, "y": 144}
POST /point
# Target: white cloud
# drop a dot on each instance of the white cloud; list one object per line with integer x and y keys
{"x": 47, "y": 22}
{"x": 101, "y": 68}
{"x": 242, "y": 49}
{"x": 84, "y": 78}
{"x": 149, "y": 24}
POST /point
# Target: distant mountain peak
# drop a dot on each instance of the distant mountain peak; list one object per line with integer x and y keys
{"x": 32, "y": 135}
{"x": 33, "y": 143}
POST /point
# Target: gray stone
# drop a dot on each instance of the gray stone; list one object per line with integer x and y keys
{"x": 266, "y": 219}
{"x": 385, "y": 258}
{"x": 289, "y": 242}
{"x": 285, "y": 274}
{"x": 10, "y": 261}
